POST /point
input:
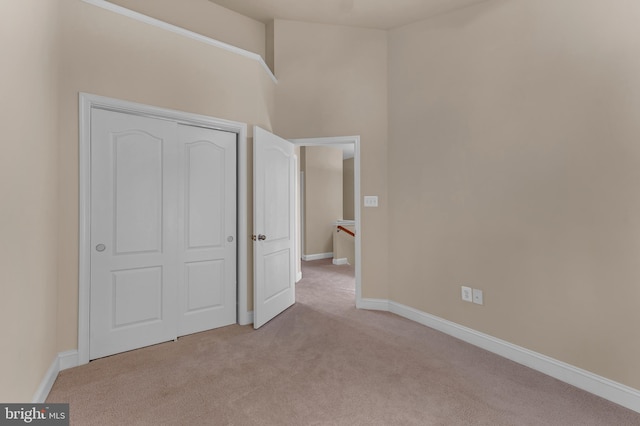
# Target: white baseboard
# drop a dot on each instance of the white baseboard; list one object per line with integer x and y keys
{"x": 318, "y": 256}
{"x": 299, "y": 276}
{"x": 68, "y": 359}
{"x": 62, "y": 361}
{"x": 605, "y": 388}
{"x": 373, "y": 304}
{"x": 47, "y": 382}
{"x": 341, "y": 261}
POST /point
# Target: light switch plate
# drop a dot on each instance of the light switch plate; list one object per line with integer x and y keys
{"x": 371, "y": 201}
{"x": 467, "y": 294}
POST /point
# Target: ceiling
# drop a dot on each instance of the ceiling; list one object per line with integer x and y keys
{"x": 380, "y": 14}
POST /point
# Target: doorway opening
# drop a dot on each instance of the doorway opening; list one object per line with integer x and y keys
{"x": 352, "y": 145}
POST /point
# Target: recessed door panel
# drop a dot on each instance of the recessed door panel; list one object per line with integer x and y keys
{"x": 201, "y": 295}
{"x": 137, "y": 192}
{"x": 276, "y": 206}
{"x": 137, "y": 297}
{"x": 276, "y": 274}
{"x": 205, "y": 191}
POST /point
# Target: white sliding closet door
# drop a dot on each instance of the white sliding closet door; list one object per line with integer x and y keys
{"x": 207, "y": 229}
{"x": 163, "y": 250}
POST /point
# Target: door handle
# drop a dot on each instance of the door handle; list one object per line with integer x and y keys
{"x": 260, "y": 237}
{"x": 100, "y": 247}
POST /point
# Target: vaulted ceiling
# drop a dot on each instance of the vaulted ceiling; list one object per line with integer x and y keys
{"x": 380, "y": 14}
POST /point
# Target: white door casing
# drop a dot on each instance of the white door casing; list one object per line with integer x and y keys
{"x": 274, "y": 225}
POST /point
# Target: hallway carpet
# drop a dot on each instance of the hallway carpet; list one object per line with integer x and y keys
{"x": 322, "y": 362}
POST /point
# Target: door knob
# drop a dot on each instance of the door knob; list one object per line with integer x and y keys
{"x": 262, "y": 237}
{"x": 100, "y": 247}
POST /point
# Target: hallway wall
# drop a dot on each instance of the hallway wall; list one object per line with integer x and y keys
{"x": 322, "y": 166}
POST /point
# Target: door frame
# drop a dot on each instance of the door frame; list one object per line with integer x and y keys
{"x": 355, "y": 141}
{"x": 86, "y": 103}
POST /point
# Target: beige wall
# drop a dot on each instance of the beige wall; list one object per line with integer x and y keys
{"x": 322, "y": 197}
{"x": 111, "y": 55}
{"x": 28, "y": 194}
{"x": 269, "y": 46}
{"x": 514, "y": 168}
{"x": 206, "y": 18}
{"x": 332, "y": 81}
{"x": 348, "y": 208}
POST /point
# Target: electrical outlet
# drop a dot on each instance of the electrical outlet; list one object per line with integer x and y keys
{"x": 467, "y": 294}
{"x": 371, "y": 201}
{"x": 478, "y": 297}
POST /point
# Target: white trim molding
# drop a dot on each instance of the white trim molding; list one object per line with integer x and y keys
{"x": 87, "y": 102}
{"x": 373, "y": 304}
{"x": 62, "y": 361}
{"x": 47, "y": 382}
{"x": 182, "y": 31}
{"x": 317, "y": 256}
{"x": 605, "y": 388}
{"x": 341, "y": 261}
{"x": 68, "y": 359}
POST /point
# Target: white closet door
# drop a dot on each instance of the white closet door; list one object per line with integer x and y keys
{"x": 133, "y": 232}
{"x": 207, "y": 229}
{"x": 163, "y": 231}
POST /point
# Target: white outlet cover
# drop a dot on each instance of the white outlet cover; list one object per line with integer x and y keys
{"x": 466, "y": 293}
{"x": 371, "y": 201}
{"x": 478, "y": 298}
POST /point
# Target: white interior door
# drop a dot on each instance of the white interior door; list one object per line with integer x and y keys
{"x": 206, "y": 229}
{"x": 274, "y": 221}
{"x": 133, "y": 232}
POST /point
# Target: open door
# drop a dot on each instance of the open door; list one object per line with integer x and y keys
{"x": 273, "y": 225}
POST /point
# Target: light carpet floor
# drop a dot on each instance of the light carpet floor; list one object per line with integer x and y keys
{"x": 322, "y": 362}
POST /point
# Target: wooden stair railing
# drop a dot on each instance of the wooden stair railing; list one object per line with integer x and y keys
{"x": 342, "y": 228}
